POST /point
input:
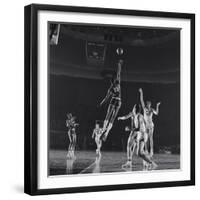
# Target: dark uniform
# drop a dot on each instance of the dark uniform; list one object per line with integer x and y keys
{"x": 116, "y": 96}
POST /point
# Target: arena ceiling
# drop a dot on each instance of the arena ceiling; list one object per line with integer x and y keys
{"x": 150, "y": 55}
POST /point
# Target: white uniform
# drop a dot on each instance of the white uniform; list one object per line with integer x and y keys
{"x": 97, "y": 134}
{"x": 141, "y": 133}
{"x": 148, "y": 115}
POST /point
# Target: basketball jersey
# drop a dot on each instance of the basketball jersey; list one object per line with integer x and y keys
{"x": 71, "y": 123}
{"x": 148, "y": 115}
{"x": 116, "y": 92}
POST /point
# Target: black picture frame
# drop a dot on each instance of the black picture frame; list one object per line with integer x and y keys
{"x": 31, "y": 98}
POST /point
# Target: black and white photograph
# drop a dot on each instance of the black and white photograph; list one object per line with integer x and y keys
{"x": 100, "y": 100}
{"x": 109, "y": 99}
{"x": 113, "y": 99}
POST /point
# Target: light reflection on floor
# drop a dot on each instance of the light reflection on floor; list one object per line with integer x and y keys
{"x": 87, "y": 162}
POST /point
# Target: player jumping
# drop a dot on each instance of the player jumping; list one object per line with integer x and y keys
{"x": 114, "y": 94}
{"x": 71, "y": 125}
{"x": 148, "y": 117}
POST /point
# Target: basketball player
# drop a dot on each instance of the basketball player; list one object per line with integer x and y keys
{"x": 114, "y": 94}
{"x": 71, "y": 125}
{"x": 97, "y": 136}
{"x": 137, "y": 139}
{"x": 148, "y": 117}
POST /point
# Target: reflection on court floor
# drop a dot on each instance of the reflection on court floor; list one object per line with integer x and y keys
{"x": 87, "y": 162}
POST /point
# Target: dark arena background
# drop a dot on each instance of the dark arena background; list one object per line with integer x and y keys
{"x": 82, "y": 62}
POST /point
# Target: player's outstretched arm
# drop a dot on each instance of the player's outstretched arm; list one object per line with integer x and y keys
{"x": 141, "y": 98}
{"x": 126, "y": 116}
{"x": 106, "y": 98}
{"x": 119, "y": 70}
{"x": 93, "y": 133}
{"x": 156, "y": 112}
{"x": 134, "y": 110}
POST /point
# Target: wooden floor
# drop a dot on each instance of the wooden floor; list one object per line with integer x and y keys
{"x": 87, "y": 162}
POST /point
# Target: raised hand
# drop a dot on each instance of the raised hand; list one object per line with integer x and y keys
{"x": 158, "y": 103}
{"x": 140, "y": 90}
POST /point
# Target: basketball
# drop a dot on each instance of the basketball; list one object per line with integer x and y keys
{"x": 120, "y": 51}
